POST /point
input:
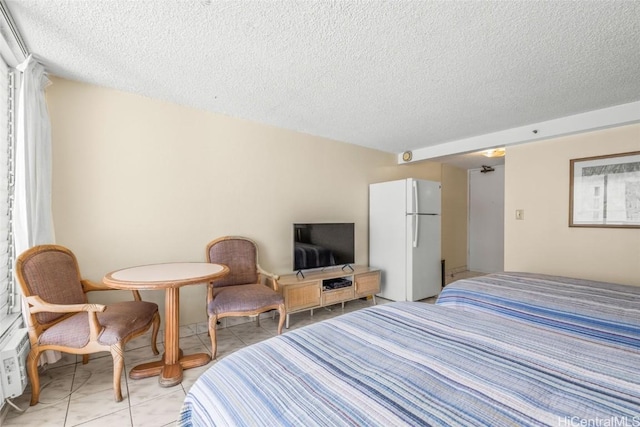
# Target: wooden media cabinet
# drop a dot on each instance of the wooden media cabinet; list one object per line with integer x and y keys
{"x": 313, "y": 290}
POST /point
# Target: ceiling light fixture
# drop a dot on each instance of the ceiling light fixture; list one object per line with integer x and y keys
{"x": 496, "y": 152}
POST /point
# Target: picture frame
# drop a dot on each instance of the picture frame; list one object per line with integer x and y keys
{"x": 605, "y": 191}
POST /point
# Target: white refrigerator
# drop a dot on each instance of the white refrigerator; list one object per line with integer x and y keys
{"x": 404, "y": 238}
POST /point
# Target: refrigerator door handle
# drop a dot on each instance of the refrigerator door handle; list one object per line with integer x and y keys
{"x": 416, "y": 230}
{"x": 415, "y": 198}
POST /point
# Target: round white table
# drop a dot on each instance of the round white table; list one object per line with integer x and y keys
{"x": 170, "y": 277}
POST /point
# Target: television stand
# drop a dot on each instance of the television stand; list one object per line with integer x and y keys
{"x": 322, "y": 289}
{"x": 300, "y": 273}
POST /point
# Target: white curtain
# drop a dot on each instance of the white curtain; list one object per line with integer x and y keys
{"x": 33, "y": 220}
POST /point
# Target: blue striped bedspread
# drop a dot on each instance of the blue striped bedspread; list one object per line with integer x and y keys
{"x": 415, "y": 364}
{"x": 605, "y": 312}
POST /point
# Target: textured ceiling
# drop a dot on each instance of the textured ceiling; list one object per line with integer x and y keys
{"x": 391, "y": 75}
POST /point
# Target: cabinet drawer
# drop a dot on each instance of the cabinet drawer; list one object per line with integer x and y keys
{"x": 367, "y": 283}
{"x": 339, "y": 295}
{"x": 298, "y": 297}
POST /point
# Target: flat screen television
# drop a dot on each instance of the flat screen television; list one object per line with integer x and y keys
{"x": 319, "y": 245}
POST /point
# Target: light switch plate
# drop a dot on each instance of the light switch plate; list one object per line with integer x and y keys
{"x": 520, "y": 214}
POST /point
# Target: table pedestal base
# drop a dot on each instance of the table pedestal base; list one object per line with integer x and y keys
{"x": 170, "y": 374}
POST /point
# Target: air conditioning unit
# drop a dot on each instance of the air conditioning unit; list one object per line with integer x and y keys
{"x": 13, "y": 358}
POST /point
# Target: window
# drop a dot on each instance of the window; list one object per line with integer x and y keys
{"x": 7, "y": 255}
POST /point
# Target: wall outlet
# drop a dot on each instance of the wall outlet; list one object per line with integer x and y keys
{"x": 520, "y": 214}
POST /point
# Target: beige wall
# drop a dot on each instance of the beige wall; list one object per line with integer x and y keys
{"x": 537, "y": 180}
{"x": 139, "y": 181}
{"x": 454, "y": 217}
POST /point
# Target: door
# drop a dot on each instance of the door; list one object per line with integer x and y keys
{"x": 423, "y": 196}
{"x": 387, "y": 243}
{"x": 486, "y": 220}
{"x": 423, "y": 260}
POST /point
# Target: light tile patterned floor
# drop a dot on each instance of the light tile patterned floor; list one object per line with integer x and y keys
{"x": 81, "y": 395}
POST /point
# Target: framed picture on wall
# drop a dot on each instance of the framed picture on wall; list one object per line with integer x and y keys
{"x": 605, "y": 191}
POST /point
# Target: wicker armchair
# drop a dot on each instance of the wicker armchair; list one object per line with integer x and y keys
{"x": 61, "y": 318}
{"x": 244, "y": 291}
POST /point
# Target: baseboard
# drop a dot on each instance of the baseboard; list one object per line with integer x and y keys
{"x": 453, "y": 271}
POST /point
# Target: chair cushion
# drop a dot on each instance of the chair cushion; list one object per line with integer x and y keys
{"x": 240, "y": 255}
{"x": 242, "y": 298}
{"x": 53, "y": 276}
{"x": 119, "y": 320}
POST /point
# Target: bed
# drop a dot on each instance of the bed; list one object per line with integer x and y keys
{"x": 605, "y": 312}
{"x": 453, "y": 363}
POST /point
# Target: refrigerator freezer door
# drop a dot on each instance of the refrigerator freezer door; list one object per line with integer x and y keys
{"x": 423, "y": 196}
{"x": 423, "y": 261}
{"x": 387, "y": 237}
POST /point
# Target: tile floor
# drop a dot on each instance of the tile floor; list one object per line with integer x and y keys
{"x": 74, "y": 394}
